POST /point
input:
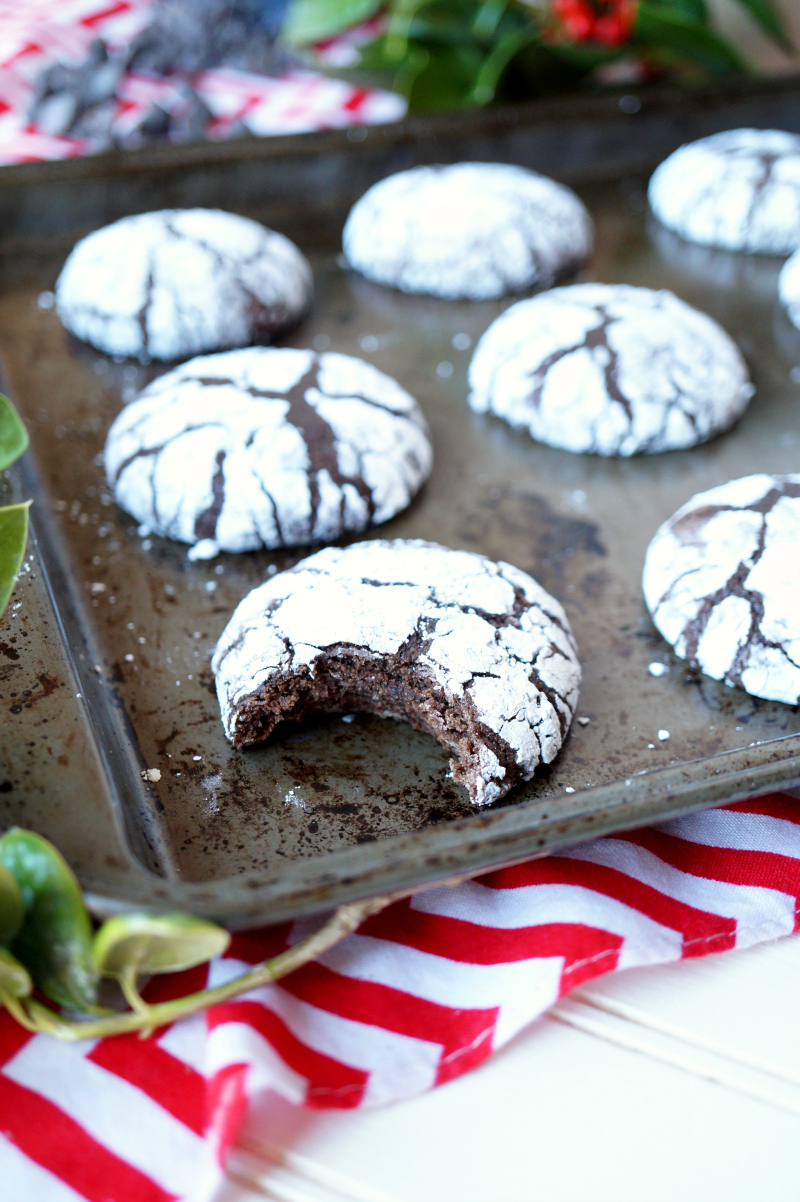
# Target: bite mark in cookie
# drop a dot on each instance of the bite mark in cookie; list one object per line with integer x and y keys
{"x": 475, "y": 653}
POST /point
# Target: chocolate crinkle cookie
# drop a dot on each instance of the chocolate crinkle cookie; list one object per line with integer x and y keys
{"x": 473, "y": 230}
{"x": 473, "y": 652}
{"x": 610, "y": 369}
{"x": 739, "y": 190}
{"x": 178, "y": 282}
{"x": 267, "y": 447}
{"x": 722, "y": 579}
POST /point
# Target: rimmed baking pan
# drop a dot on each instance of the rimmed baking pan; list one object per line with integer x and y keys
{"x": 111, "y": 735}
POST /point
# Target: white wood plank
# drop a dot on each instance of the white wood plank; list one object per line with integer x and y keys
{"x": 741, "y": 1004}
{"x": 559, "y": 1116}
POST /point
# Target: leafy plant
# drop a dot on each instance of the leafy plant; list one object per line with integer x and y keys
{"x": 53, "y": 949}
{"x": 54, "y": 940}
{"x": 451, "y": 53}
{"x": 47, "y": 938}
{"x": 13, "y": 518}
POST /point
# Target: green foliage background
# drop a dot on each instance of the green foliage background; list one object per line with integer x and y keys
{"x": 455, "y": 53}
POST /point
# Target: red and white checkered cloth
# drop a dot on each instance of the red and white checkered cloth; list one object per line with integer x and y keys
{"x": 423, "y": 992}
{"x": 35, "y": 33}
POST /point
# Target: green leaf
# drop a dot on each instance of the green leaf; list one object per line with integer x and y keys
{"x": 695, "y": 10}
{"x": 665, "y": 27}
{"x": 12, "y": 910}
{"x": 764, "y": 14}
{"x": 309, "y": 21}
{"x": 447, "y": 79}
{"x": 15, "y": 980}
{"x": 154, "y": 943}
{"x": 55, "y": 941}
{"x": 13, "y": 537}
{"x": 489, "y": 75}
{"x": 488, "y": 18}
{"x": 13, "y": 435}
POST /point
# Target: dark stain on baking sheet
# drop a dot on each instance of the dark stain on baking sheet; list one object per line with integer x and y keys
{"x": 148, "y": 619}
{"x": 551, "y": 539}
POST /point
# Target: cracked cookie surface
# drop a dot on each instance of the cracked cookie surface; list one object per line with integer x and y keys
{"x": 721, "y": 580}
{"x": 268, "y": 447}
{"x": 609, "y": 369}
{"x": 739, "y": 190}
{"x": 178, "y": 282}
{"x": 473, "y": 230}
{"x": 475, "y": 653}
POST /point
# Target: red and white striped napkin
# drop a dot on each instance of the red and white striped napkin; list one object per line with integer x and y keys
{"x": 35, "y": 33}
{"x": 422, "y": 993}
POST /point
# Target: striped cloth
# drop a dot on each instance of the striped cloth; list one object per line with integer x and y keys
{"x": 35, "y": 33}
{"x": 423, "y": 992}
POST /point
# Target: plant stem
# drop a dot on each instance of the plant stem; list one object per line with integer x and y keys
{"x": 127, "y": 983}
{"x": 16, "y": 1010}
{"x": 35, "y": 1017}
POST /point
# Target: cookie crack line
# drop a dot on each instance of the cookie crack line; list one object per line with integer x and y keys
{"x": 767, "y": 163}
{"x": 593, "y": 339}
{"x": 205, "y": 524}
{"x": 733, "y": 587}
{"x": 735, "y": 584}
{"x": 267, "y": 318}
{"x": 146, "y": 452}
{"x": 321, "y": 445}
{"x": 144, "y": 312}
{"x": 320, "y": 440}
{"x": 264, "y": 394}
{"x": 685, "y": 528}
{"x": 689, "y": 523}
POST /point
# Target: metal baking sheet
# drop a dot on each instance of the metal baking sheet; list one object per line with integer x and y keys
{"x": 105, "y": 649}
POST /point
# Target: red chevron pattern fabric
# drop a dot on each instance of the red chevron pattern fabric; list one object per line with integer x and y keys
{"x": 422, "y": 993}
{"x": 35, "y": 33}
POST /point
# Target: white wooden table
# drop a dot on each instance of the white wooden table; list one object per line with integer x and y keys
{"x": 673, "y": 1084}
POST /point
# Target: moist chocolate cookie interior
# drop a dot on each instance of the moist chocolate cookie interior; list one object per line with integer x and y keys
{"x": 352, "y": 679}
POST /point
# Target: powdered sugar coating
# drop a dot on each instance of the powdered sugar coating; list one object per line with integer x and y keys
{"x": 268, "y": 447}
{"x": 473, "y": 230}
{"x": 789, "y": 288}
{"x": 487, "y": 639}
{"x": 609, "y": 369}
{"x": 179, "y": 282}
{"x": 739, "y": 190}
{"x": 722, "y": 578}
